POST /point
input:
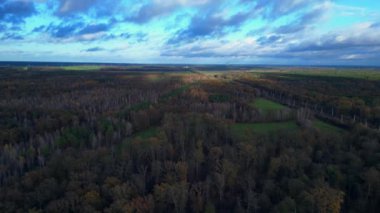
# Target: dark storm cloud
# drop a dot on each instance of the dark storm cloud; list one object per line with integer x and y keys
{"x": 16, "y": 11}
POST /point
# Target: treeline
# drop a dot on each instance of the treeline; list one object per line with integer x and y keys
{"x": 346, "y": 99}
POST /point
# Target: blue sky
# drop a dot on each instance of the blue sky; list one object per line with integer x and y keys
{"x": 290, "y": 32}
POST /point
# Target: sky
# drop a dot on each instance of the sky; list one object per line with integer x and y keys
{"x": 274, "y": 32}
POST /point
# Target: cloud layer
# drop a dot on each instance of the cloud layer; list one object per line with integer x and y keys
{"x": 192, "y": 31}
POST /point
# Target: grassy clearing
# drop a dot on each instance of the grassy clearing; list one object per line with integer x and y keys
{"x": 175, "y": 92}
{"x": 149, "y": 133}
{"x": 325, "y": 127}
{"x": 81, "y": 68}
{"x": 267, "y": 105}
{"x": 245, "y": 130}
{"x": 365, "y": 74}
{"x": 140, "y": 106}
{"x": 140, "y": 139}
{"x": 155, "y": 77}
{"x": 219, "y": 98}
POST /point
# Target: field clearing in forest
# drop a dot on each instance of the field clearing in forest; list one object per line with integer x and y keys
{"x": 267, "y": 105}
{"x": 148, "y": 133}
{"x": 326, "y": 127}
{"x": 364, "y": 74}
{"x": 82, "y": 68}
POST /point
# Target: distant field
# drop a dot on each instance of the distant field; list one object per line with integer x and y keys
{"x": 323, "y": 126}
{"x": 81, "y": 68}
{"x": 266, "y": 105}
{"x": 149, "y": 133}
{"x": 358, "y": 74}
{"x": 243, "y": 130}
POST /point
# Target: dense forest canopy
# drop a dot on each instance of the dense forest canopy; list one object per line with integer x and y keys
{"x": 181, "y": 139}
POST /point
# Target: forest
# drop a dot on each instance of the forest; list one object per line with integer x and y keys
{"x": 189, "y": 139}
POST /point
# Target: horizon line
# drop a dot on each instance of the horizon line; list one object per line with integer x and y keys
{"x": 65, "y": 63}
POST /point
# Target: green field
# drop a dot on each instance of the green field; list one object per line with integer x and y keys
{"x": 325, "y": 127}
{"x": 82, "y": 68}
{"x": 342, "y": 73}
{"x": 175, "y": 92}
{"x": 149, "y": 133}
{"x": 219, "y": 98}
{"x": 244, "y": 130}
{"x": 266, "y": 105}
{"x": 140, "y": 106}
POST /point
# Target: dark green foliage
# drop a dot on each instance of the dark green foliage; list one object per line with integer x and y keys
{"x": 133, "y": 142}
{"x": 140, "y": 106}
{"x": 219, "y": 98}
{"x": 74, "y": 137}
{"x": 175, "y": 92}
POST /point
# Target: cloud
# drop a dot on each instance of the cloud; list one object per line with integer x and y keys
{"x": 214, "y": 23}
{"x": 375, "y": 25}
{"x": 157, "y": 8}
{"x": 189, "y": 29}
{"x": 304, "y": 21}
{"x": 66, "y": 30}
{"x": 208, "y": 25}
{"x": 75, "y": 31}
{"x": 270, "y": 39}
{"x": 358, "y": 37}
{"x": 273, "y": 9}
{"x": 11, "y": 36}
{"x": 68, "y": 7}
{"x": 94, "y": 49}
{"x": 213, "y": 48}
{"x": 15, "y": 11}
{"x": 96, "y": 8}
{"x": 93, "y": 28}
{"x": 356, "y": 44}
